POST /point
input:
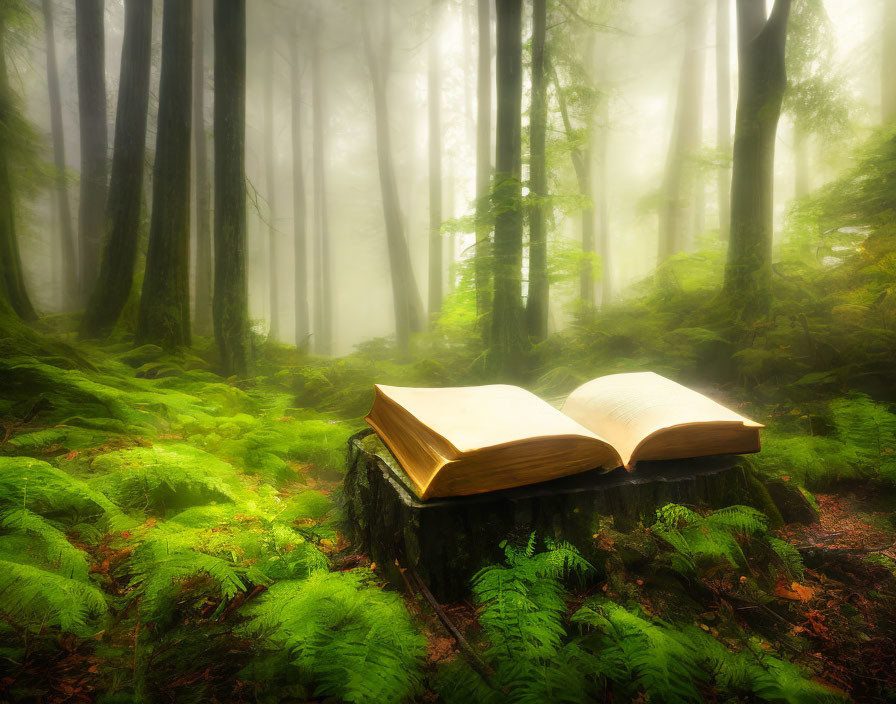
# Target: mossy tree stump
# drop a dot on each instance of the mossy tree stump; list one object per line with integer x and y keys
{"x": 447, "y": 540}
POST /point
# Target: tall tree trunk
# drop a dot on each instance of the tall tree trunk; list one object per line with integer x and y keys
{"x": 323, "y": 295}
{"x": 582, "y": 165}
{"x": 271, "y": 188}
{"x": 203, "y": 293}
{"x": 723, "y": 112}
{"x": 601, "y": 204}
{"x": 298, "y": 201}
{"x": 467, "y": 40}
{"x": 887, "y": 75}
{"x": 63, "y": 207}
{"x": 164, "y": 314}
{"x": 407, "y": 304}
{"x": 119, "y": 255}
{"x": 434, "y": 96}
{"x": 90, "y": 42}
{"x": 507, "y": 343}
{"x": 679, "y": 184}
{"x": 13, "y": 292}
{"x": 230, "y": 305}
{"x": 802, "y": 176}
{"x": 761, "y": 86}
{"x": 482, "y": 265}
{"x": 537, "y": 301}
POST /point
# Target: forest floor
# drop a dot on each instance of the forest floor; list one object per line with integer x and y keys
{"x": 160, "y": 527}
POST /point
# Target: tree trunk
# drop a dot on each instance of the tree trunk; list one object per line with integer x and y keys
{"x": 508, "y": 336}
{"x": 761, "y": 86}
{"x": 13, "y": 292}
{"x": 164, "y": 314}
{"x": 90, "y": 41}
{"x": 537, "y": 301}
{"x": 482, "y": 254}
{"x": 230, "y": 305}
{"x": 271, "y": 188}
{"x": 679, "y": 185}
{"x": 887, "y": 75}
{"x": 203, "y": 282}
{"x": 298, "y": 201}
{"x": 601, "y": 156}
{"x": 447, "y": 540}
{"x": 407, "y": 304}
{"x": 434, "y": 95}
{"x": 582, "y": 165}
{"x": 323, "y": 296}
{"x": 802, "y": 176}
{"x": 119, "y": 254}
{"x": 63, "y": 207}
{"x": 723, "y": 113}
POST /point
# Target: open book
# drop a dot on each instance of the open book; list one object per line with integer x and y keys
{"x": 472, "y": 439}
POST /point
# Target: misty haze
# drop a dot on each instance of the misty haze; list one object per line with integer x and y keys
{"x": 447, "y": 350}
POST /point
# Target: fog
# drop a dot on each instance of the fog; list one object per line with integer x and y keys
{"x": 637, "y": 49}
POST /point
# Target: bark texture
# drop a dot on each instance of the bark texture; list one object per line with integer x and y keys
{"x": 407, "y": 304}
{"x": 300, "y": 276}
{"x": 123, "y": 207}
{"x": 538, "y": 298}
{"x": 677, "y": 213}
{"x": 763, "y": 79}
{"x": 723, "y": 112}
{"x": 323, "y": 293}
{"x": 582, "y": 164}
{"x": 164, "y": 314}
{"x": 13, "y": 291}
{"x": 271, "y": 189}
{"x": 231, "y": 294}
{"x": 68, "y": 248}
{"x": 202, "y": 316}
{"x": 91, "y": 47}
{"x": 447, "y": 540}
{"x": 434, "y": 95}
{"x": 482, "y": 265}
{"x": 507, "y": 344}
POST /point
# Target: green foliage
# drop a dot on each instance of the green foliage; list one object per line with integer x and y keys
{"x": 32, "y": 484}
{"x": 860, "y": 444}
{"x": 521, "y": 610}
{"x": 60, "y": 553}
{"x": 38, "y": 599}
{"x": 675, "y": 665}
{"x": 161, "y": 477}
{"x": 352, "y": 640}
{"x": 704, "y": 544}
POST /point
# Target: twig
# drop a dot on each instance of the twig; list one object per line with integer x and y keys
{"x": 482, "y": 668}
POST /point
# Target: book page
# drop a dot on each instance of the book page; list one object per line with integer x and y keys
{"x": 475, "y": 417}
{"x": 628, "y": 408}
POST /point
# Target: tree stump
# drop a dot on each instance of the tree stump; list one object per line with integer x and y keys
{"x": 447, "y": 540}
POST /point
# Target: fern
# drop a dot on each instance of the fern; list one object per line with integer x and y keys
{"x": 353, "y": 641}
{"x": 70, "y": 561}
{"x": 647, "y": 657}
{"x": 521, "y": 609}
{"x": 676, "y": 665}
{"x": 45, "y": 490}
{"x": 701, "y": 543}
{"x": 869, "y": 429}
{"x": 37, "y": 598}
{"x": 160, "y": 477}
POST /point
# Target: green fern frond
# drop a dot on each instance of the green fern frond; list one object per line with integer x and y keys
{"x": 71, "y": 561}
{"x": 37, "y": 598}
{"x": 353, "y": 641}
